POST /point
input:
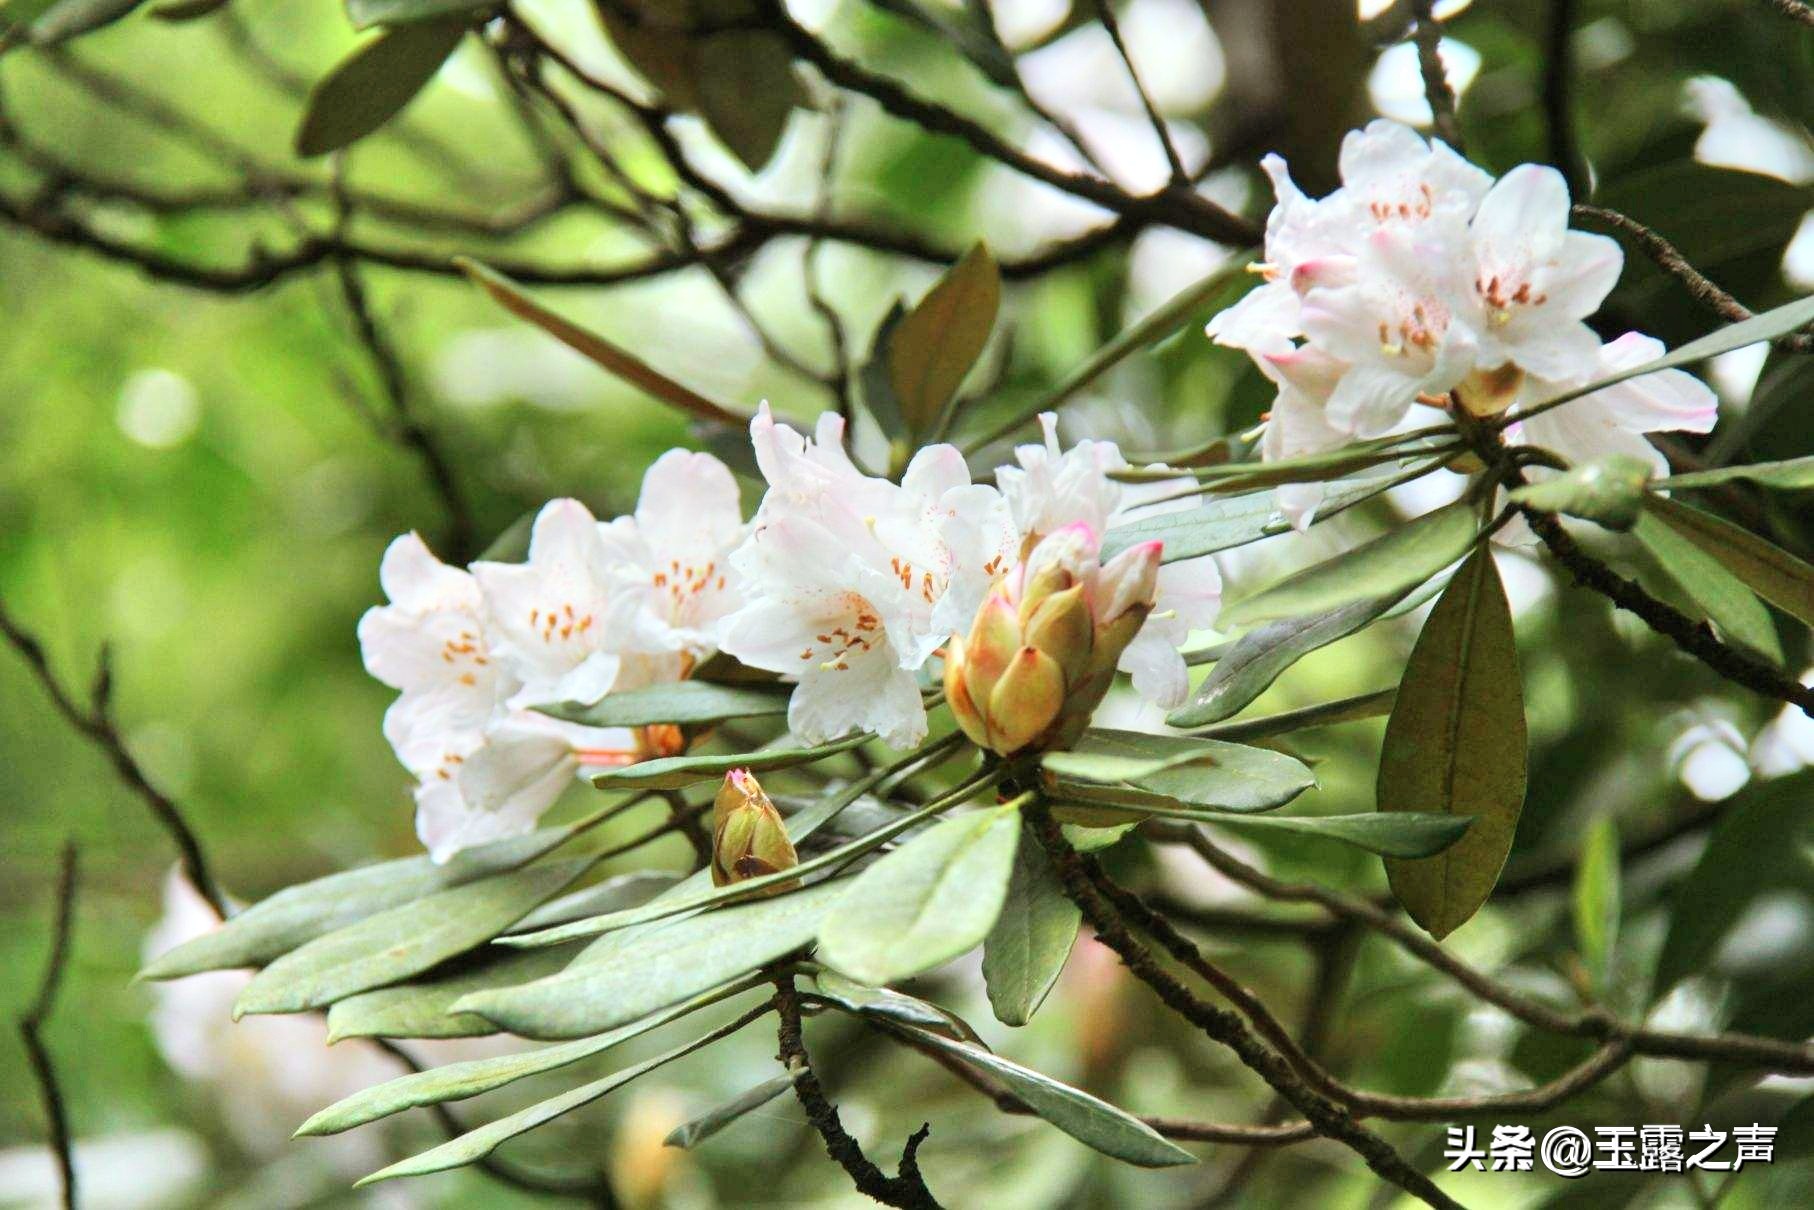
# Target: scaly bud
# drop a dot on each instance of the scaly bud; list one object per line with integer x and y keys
{"x": 748, "y": 837}
{"x": 1061, "y": 628}
{"x": 1026, "y": 700}
{"x": 1062, "y": 558}
{"x": 957, "y": 696}
{"x": 1127, "y": 580}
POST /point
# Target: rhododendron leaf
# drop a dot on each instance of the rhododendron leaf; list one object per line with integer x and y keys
{"x": 681, "y": 703}
{"x": 404, "y": 941}
{"x": 925, "y": 903}
{"x": 1794, "y": 474}
{"x": 1722, "y": 596}
{"x": 1258, "y": 658}
{"x": 1026, "y": 950}
{"x": 373, "y": 84}
{"x": 1456, "y": 744}
{"x": 663, "y": 966}
{"x": 612, "y": 895}
{"x": 890, "y": 1005}
{"x": 1324, "y": 714}
{"x": 674, "y": 772}
{"x": 746, "y": 90}
{"x": 475, "y": 1145}
{"x": 419, "y": 1009}
{"x": 694, "y": 1131}
{"x": 1398, "y": 560}
{"x": 1407, "y": 834}
{"x": 613, "y": 360}
{"x": 1191, "y": 772}
{"x": 1090, "y": 1121}
{"x": 1768, "y": 570}
{"x": 470, "y": 1077}
{"x": 274, "y": 926}
{"x": 366, "y": 13}
{"x": 1608, "y": 491}
{"x": 61, "y": 20}
{"x": 935, "y": 345}
{"x": 1596, "y": 898}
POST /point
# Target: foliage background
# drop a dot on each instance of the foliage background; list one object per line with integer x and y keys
{"x": 189, "y": 478}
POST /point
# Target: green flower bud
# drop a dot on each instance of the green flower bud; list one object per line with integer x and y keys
{"x": 748, "y": 837}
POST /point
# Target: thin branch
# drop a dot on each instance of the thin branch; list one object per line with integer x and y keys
{"x": 1105, "y": 12}
{"x": 406, "y": 428}
{"x": 1795, "y": 10}
{"x": 1558, "y": 94}
{"x": 1669, "y": 258}
{"x": 32, "y": 1020}
{"x": 1080, "y": 874}
{"x": 1428, "y": 35}
{"x": 95, "y": 723}
{"x": 908, "y": 1188}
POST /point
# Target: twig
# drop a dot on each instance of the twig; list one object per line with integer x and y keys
{"x": 1558, "y": 91}
{"x": 1079, "y": 874}
{"x": 1105, "y": 12}
{"x": 95, "y": 723}
{"x": 32, "y": 1020}
{"x": 908, "y": 1188}
{"x": 1428, "y": 35}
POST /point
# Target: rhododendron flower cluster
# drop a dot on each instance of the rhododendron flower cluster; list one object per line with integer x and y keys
{"x": 844, "y": 583}
{"x": 1423, "y": 276}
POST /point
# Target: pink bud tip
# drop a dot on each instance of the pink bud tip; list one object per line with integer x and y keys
{"x": 741, "y": 779}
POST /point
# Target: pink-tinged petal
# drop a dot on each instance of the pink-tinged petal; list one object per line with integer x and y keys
{"x": 1584, "y": 430}
{"x": 870, "y": 694}
{"x": 1312, "y": 372}
{"x": 1263, "y": 320}
{"x": 1299, "y": 502}
{"x": 414, "y": 579}
{"x": 1158, "y": 670}
{"x": 1381, "y": 149}
{"x": 1454, "y": 179}
{"x": 1370, "y": 400}
{"x": 1191, "y": 591}
{"x": 1671, "y": 400}
{"x": 1129, "y": 579}
{"x": 1587, "y": 269}
{"x": 1523, "y": 217}
{"x": 1557, "y": 352}
{"x": 689, "y": 503}
{"x": 776, "y": 635}
{"x": 935, "y": 470}
{"x": 1072, "y": 548}
{"x": 565, "y": 533}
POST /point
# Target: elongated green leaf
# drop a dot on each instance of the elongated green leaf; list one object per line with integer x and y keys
{"x": 374, "y": 84}
{"x": 471, "y": 1077}
{"x": 1399, "y": 834}
{"x": 1214, "y": 525}
{"x": 691, "y": 1133}
{"x": 62, "y": 20}
{"x": 1109, "y": 769}
{"x": 1794, "y": 474}
{"x": 1768, "y": 570}
{"x": 187, "y": 10}
{"x": 274, "y": 926}
{"x": 1094, "y": 1123}
{"x": 878, "y": 387}
{"x": 1779, "y": 321}
{"x": 925, "y": 903}
{"x": 939, "y": 340}
{"x": 1608, "y": 491}
{"x": 681, "y": 703}
{"x": 1389, "y": 565}
{"x": 475, "y": 1145}
{"x": 404, "y": 941}
{"x": 366, "y": 13}
{"x": 1320, "y": 468}
{"x": 612, "y": 895}
{"x": 1165, "y": 319}
{"x": 420, "y": 1008}
{"x": 1220, "y": 776}
{"x": 697, "y": 890}
{"x": 663, "y": 966}
{"x": 1456, "y": 744}
{"x": 675, "y": 772}
{"x": 608, "y": 356}
{"x": 1026, "y": 950}
{"x": 1324, "y": 714}
{"x": 1721, "y": 595}
{"x": 1259, "y": 657}
{"x": 747, "y": 89}
{"x": 1596, "y": 898}
{"x": 887, "y": 1004}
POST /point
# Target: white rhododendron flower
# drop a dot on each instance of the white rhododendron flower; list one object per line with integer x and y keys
{"x": 1421, "y": 275}
{"x": 852, "y": 582}
{"x": 1052, "y": 488}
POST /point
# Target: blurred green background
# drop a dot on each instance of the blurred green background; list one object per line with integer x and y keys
{"x": 192, "y": 479}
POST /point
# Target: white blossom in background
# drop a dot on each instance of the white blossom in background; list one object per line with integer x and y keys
{"x": 1422, "y": 275}
{"x": 1051, "y": 487}
{"x": 852, "y": 582}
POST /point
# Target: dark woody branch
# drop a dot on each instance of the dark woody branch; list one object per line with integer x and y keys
{"x": 32, "y": 1020}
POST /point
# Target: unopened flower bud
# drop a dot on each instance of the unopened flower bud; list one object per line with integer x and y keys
{"x": 748, "y": 837}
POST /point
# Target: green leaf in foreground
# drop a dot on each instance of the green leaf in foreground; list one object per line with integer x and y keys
{"x": 659, "y": 967}
{"x": 372, "y": 85}
{"x": 682, "y": 703}
{"x": 1400, "y": 834}
{"x": 1456, "y": 744}
{"x": 1323, "y": 714}
{"x": 676, "y": 772}
{"x": 278, "y": 924}
{"x": 1722, "y": 596}
{"x": 691, "y": 1133}
{"x": 1596, "y": 898}
{"x": 1389, "y": 565}
{"x": 470, "y": 1077}
{"x": 938, "y": 341}
{"x": 475, "y": 1145}
{"x": 1608, "y": 491}
{"x": 1095, "y": 1123}
{"x": 925, "y": 903}
{"x": 1768, "y": 570}
{"x": 404, "y": 941}
{"x": 420, "y": 1009}
{"x": 1794, "y": 474}
{"x": 1258, "y": 658}
{"x": 1193, "y": 772}
{"x": 1026, "y": 950}
{"x": 609, "y": 357}
{"x": 746, "y": 88}
{"x": 366, "y": 13}
{"x": 886, "y": 1004}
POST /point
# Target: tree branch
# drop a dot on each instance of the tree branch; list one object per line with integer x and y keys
{"x": 1558, "y": 91}
{"x": 1427, "y": 33}
{"x": 32, "y": 1020}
